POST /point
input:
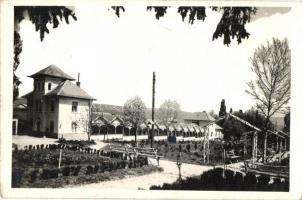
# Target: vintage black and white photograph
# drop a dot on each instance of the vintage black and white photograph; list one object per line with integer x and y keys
{"x": 151, "y": 97}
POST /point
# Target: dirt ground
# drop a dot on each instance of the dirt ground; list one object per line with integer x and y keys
{"x": 169, "y": 175}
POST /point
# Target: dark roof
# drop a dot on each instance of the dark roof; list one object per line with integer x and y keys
{"x": 20, "y": 103}
{"x": 199, "y": 116}
{"x": 52, "y": 71}
{"x": 28, "y": 94}
{"x": 68, "y": 89}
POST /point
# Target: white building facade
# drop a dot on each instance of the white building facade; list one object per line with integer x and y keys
{"x": 57, "y": 107}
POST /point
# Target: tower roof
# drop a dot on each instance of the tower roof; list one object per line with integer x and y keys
{"x": 68, "y": 89}
{"x": 52, "y": 71}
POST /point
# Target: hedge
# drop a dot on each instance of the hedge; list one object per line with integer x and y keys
{"x": 230, "y": 181}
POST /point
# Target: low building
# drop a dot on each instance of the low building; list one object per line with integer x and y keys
{"x": 19, "y": 116}
{"x": 57, "y": 107}
{"x": 187, "y": 125}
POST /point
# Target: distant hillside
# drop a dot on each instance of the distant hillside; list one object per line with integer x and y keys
{"x": 98, "y": 109}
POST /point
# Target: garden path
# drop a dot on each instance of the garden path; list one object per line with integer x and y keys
{"x": 169, "y": 175}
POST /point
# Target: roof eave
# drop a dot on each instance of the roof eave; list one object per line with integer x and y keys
{"x": 44, "y": 75}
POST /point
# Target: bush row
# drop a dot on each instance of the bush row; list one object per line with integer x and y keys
{"x": 21, "y": 175}
{"x": 230, "y": 181}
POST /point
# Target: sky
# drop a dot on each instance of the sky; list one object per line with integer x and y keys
{"x": 116, "y": 56}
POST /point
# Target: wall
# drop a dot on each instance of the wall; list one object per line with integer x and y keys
{"x": 54, "y": 83}
{"x": 66, "y": 116}
{"x": 46, "y": 115}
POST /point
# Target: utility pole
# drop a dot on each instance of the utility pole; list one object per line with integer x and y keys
{"x": 153, "y": 102}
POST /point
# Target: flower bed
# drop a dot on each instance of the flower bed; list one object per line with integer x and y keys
{"x": 66, "y": 178}
{"x": 231, "y": 181}
{"x": 34, "y": 165}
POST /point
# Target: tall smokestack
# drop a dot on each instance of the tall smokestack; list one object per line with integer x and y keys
{"x": 78, "y": 82}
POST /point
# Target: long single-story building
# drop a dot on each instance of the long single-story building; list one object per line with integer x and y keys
{"x": 107, "y": 123}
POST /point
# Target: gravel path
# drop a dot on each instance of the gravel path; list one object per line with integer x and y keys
{"x": 169, "y": 175}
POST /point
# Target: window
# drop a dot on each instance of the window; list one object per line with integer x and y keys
{"x": 52, "y": 126}
{"x": 52, "y": 106}
{"x": 74, "y": 107}
{"x": 74, "y": 126}
{"x": 43, "y": 86}
{"x": 49, "y": 86}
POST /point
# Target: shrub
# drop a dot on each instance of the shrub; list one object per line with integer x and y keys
{"x": 66, "y": 171}
{"x": 17, "y": 177}
{"x": 263, "y": 183}
{"x": 33, "y": 176}
{"x": 250, "y": 182}
{"x": 96, "y": 169}
{"x": 89, "y": 170}
{"x": 77, "y": 170}
{"x": 238, "y": 181}
{"x": 188, "y": 147}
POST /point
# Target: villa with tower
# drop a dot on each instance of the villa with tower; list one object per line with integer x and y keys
{"x": 57, "y": 107}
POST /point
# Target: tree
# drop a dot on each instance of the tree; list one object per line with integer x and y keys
{"x": 213, "y": 114}
{"x": 82, "y": 121}
{"x": 222, "y": 111}
{"x": 17, "y": 50}
{"x": 271, "y": 88}
{"x": 286, "y": 128}
{"x": 134, "y": 111}
{"x": 168, "y": 112}
{"x": 40, "y": 16}
{"x": 231, "y": 25}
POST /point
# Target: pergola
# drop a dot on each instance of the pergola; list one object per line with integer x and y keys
{"x": 279, "y": 135}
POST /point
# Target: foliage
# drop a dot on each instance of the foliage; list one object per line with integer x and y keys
{"x": 222, "y": 110}
{"x": 232, "y": 181}
{"x": 77, "y": 143}
{"x": 192, "y": 152}
{"x": 230, "y": 26}
{"x": 234, "y": 129}
{"x": 34, "y": 165}
{"x": 232, "y": 23}
{"x": 40, "y": 16}
{"x": 168, "y": 112}
{"x": 271, "y": 89}
{"x": 271, "y": 65}
{"x": 198, "y": 13}
{"x": 74, "y": 175}
{"x": 213, "y": 114}
{"x": 287, "y": 122}
{"x": 17, "y": 50}
{"x": 160, "y": 11}
{"x": 117, "y": 10}
{"x": 134, "y": 111}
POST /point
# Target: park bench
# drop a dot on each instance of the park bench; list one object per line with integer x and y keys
{"x": 231, "y": 157}
{"x": 149, "y": 152}
{"x": 117, "y": 148}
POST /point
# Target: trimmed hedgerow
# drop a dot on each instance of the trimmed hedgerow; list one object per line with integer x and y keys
{"x": 229, "y": 181}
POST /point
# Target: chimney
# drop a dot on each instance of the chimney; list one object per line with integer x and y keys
{"x": 78, "y": 82}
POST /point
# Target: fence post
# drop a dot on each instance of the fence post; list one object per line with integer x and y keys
{"x": 60, "y": 157}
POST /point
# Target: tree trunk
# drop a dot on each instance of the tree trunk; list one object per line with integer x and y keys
{"x": 264, "y": 147}
{"x": 135, "y": 137}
